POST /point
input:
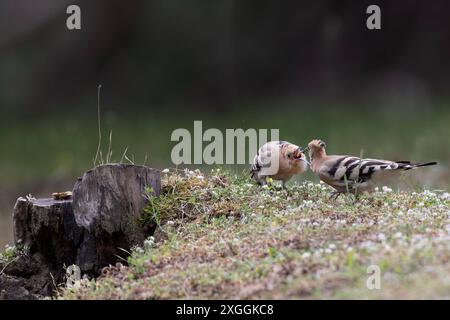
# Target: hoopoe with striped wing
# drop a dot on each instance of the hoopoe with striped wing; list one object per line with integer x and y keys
{"x": 353, "y": 174}
{"x": 288, "y": 160}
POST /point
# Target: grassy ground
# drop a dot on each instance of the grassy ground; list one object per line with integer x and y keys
{"x": 221, "y": 236}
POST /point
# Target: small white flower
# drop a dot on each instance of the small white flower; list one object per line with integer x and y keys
{"x": 429, "y": 194}
{"x": 386, "y": 189}
{"x": 447, "y": 228}
{"x": 170, "y": 223}
{"x": 139, "y": 250}
{"x": 165, "y": 171}
{"x": 9, "y": 249}
{"x": 332, "y": 246}
{"x": 381, "y": 237}
{"x": 445, "y": 196}
{"x": 398, "y": 235}
{"x": 306, "y": 255}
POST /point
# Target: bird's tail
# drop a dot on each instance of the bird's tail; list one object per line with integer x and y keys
{"x": 406, "y": 165}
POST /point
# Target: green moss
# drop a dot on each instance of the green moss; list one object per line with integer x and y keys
{"x": 10, "y": 254}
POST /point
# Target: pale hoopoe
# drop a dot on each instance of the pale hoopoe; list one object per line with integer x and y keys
{"x": 352, "y": 174}
{"x": 279, "y": 160}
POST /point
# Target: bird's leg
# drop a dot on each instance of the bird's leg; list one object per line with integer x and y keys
{"x": 262, "y": 181}
{"x": 283, "y": 185}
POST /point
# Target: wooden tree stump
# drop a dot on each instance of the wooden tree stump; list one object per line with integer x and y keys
{"x": 88, "y": 230}
{"x": 47, "y": 227}
{"x": 107, "y": 203}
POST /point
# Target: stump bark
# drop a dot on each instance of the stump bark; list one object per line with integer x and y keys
{"x": 107, "y": 204}
{"x": 90, "y": 230}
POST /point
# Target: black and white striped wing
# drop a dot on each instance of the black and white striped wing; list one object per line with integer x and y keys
{"x": 256, "y": 166}
{"x": 353, "y": 170}
{"x": 264, "y": 155}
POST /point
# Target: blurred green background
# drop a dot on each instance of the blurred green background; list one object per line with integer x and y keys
{"x": 310, "y": 69}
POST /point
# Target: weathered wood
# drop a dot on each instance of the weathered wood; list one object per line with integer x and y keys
{"x": 89, "y": 230}
{"x": 107, "y": 203}
{"x": 47, "y": 227}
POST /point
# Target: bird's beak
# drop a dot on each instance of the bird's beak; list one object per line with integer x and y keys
{"x": 301, "y": 156}
{"x": 304, "y": 159}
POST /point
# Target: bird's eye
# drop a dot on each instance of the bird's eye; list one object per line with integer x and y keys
{"x": 289, "y": 155}
{"x": 322, "y": 144}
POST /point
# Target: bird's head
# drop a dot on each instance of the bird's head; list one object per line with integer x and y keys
{"x": 294, "y": 153}
{"x": 316, "y": 148}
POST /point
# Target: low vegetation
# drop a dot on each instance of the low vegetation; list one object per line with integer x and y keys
{"x": 220, "y": 236}
{"x": 11, "y": 254}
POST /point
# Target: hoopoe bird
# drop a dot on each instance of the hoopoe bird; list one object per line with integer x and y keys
{"x": 279, "y": 160}
{"x": 352, "y": 174}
